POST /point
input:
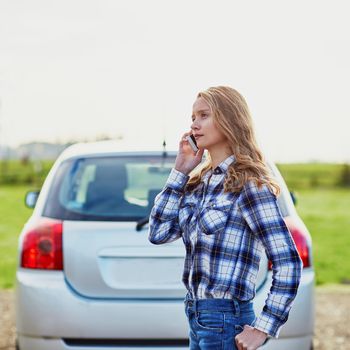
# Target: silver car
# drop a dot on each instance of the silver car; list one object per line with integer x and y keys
{"x": 88, "y": 277}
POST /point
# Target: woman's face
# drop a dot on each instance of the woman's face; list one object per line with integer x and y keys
{"x": 203, "y": 128}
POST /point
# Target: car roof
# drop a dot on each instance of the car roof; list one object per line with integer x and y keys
{"x": 110, "y": 147}
{"x": 113, "y": 147}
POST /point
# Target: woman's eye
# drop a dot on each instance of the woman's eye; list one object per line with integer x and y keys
{"x": 204, "y": 115}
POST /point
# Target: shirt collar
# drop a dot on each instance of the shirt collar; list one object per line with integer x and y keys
{"x": 222, "y": 167}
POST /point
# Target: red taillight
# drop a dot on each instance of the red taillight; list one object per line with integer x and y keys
{"x": 300, "y": 240}
{"x": 42, "y": 245}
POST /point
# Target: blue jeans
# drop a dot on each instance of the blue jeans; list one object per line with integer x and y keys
{"x": 214, "y": 323}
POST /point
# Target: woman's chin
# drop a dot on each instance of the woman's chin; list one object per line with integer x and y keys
{"x": 200, "y": 144}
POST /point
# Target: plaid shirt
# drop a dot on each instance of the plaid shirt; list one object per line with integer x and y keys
{"x": 224, "y": 235}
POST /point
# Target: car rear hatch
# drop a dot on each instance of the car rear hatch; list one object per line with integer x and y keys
{"x": 100, "y": 200}
{"x": 108, "y": 259}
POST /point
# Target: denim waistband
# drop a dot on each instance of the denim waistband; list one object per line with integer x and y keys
{"x": 234, "y": 305}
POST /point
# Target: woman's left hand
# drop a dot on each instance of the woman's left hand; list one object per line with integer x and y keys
{"x": 250, "y": 339}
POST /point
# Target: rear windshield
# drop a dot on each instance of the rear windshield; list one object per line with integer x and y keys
{"x": 107, "y": 188}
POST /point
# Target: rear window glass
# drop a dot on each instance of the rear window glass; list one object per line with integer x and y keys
{"x": 107, "y": 188}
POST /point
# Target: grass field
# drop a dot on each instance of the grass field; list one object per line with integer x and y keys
{"x": 326, "y": 214}
{"x": 323, "y": 207}
{"x": 13, "y": 214}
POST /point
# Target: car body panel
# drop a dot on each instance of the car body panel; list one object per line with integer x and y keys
{"x": 112, "y": 259}
{"x": 115, "y": 284}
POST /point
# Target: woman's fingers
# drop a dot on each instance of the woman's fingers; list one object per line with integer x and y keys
{"x": 198, "y": 156}
{"x": 200, "y": 153}
{"x": 186, "y": 134}
{"x": 184, "y": 138}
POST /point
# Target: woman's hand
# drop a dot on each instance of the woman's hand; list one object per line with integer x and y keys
{"x": 187, "y": 159}
{"x": 250, "y": 339}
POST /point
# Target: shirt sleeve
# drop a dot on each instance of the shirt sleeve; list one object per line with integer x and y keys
{"x": 164, "y": 216}
{"x": 261, "y": 212}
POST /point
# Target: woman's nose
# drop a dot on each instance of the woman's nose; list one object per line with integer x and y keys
{"x": 194, "y": 125}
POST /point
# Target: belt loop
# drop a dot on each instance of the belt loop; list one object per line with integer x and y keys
{"x": 237, "y": 310}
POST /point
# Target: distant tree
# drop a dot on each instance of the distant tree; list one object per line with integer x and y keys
{"x": 314, "y": 181}
{"x": 25, "y": 159}
{"x": 102, "y": 137}
{"x": 106, "y": 137}
{"x": 344, "y": 179}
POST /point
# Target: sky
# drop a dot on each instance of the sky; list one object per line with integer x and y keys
{"x": 77, "y": 69}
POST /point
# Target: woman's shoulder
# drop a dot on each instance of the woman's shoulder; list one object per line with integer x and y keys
{"x": 256, "y": 189}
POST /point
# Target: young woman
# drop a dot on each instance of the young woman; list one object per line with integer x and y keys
{"x": 226, "y": 214}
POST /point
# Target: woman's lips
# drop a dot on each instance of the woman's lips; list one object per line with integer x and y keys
{"x": 197, "y": 137}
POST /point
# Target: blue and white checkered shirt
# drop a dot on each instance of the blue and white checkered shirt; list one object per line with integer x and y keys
{"x": 225, "y": 235}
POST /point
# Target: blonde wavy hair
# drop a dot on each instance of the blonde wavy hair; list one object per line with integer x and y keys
{"x": 232, "y": 117}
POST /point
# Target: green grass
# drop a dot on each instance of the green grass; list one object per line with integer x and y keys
{"x": 323, "y": 207}
{"x": 13, "y": 215}
{"x": 326, "y": 214}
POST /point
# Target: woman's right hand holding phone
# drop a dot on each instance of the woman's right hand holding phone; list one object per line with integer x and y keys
{"x": 187, "y": 159}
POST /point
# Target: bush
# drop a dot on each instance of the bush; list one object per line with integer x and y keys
{"x": 344, "y": 179}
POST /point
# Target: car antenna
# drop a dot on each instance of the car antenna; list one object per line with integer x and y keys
{"x": 164, "y": 149}
{"x": 164, "y": 155}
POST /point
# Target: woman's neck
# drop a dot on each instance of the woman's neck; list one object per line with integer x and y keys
{"x": 218, "y": 155}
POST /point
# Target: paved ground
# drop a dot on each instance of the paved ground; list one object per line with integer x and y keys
{"x": 7, "y": 320}
{"x": 332, "y": 319}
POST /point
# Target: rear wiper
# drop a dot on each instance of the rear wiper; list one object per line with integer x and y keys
{"x": 142, "y": 222}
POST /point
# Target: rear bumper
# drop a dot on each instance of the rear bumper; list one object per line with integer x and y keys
{"x": 29, "y": 343}
{"x": 45, "y": 306}
{"x": 32, "y": 343}
{"x": 47, "y": 310}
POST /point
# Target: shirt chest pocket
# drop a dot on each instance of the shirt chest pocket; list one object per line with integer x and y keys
{"x": 186, "y": 212}
{"x": 214, "y": 216}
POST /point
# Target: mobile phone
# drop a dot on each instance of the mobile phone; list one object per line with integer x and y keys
{"x": 192, "y": 141}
